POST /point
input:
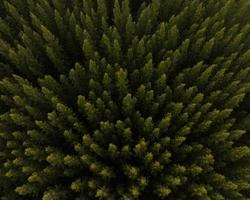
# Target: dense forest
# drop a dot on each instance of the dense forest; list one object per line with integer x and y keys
{"x": 124, "y": 100}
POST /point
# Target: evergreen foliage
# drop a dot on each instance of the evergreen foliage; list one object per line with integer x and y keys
{"x": 124, "y": 99}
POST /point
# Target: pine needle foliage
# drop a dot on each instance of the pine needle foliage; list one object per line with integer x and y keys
{"x": 124, "y": 99}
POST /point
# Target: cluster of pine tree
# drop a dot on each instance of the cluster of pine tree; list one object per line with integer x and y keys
{"x": 124, "y": 99}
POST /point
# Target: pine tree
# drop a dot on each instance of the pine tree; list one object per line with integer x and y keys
{"x": 124, "y": 100}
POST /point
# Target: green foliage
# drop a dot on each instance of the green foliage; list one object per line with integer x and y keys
{"x": 124, "y": 99}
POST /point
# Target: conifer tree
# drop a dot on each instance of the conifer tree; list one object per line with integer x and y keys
{"x": 124, "y": 100}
